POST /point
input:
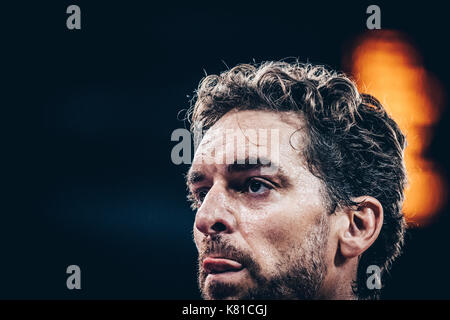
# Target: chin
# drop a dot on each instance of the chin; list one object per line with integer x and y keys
{"x": 227, "y": 285}
{"x": 218, "y": 294}
{"x": 215, "y": 290}
{"x": 223, "y": 291}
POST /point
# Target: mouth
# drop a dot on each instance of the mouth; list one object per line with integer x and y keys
{"x": 219, "y": 265}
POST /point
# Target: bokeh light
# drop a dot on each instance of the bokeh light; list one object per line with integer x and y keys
{"x": 387, "y": 65}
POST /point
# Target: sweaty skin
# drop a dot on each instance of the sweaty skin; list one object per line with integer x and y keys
{"x": 276, "y": 223}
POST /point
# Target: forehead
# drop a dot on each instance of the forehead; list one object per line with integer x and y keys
{"x": 259, "y": 119}
{"x": 252, "y": 134}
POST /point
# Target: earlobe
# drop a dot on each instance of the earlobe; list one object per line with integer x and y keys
{"x": 362, "y": 227}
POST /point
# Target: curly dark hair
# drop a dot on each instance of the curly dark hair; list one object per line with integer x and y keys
{"x": 353, "y": 145}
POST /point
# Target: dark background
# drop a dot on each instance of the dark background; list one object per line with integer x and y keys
{"x": 87, "y": 119}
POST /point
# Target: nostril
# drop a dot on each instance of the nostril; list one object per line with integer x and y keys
{"x": 219, "y": 227}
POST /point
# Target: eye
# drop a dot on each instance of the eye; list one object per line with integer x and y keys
{"x": 201, "y": 195}
{"x": 257, "y": 187}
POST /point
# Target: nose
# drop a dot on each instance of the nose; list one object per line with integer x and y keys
{"x": 215, "y": 214}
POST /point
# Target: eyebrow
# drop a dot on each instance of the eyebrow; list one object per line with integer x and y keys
{"x": 248, "y": 164}
{"x": 194, "y": 177}
{"x": 241, "y": 165}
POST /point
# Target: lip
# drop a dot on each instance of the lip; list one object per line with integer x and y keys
{"x": 214, "y": 265}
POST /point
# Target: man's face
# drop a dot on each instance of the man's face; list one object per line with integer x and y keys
{"x": 259, "y": 233}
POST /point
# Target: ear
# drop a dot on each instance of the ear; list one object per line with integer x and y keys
{"x": 362, "y": 226}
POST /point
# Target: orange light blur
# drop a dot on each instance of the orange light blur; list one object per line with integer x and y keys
{"x": 387, "y": 66}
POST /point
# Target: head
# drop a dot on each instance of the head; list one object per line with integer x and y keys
{"x": 297, "y": 183}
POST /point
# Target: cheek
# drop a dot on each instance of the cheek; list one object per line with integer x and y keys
{"x": 281, "y": 226}
{"x": 270, "y": 233}
{"x": 196, "y": 237}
